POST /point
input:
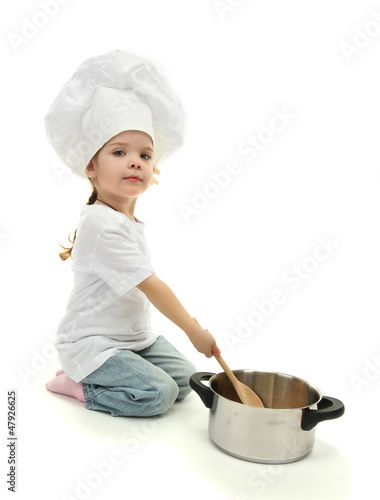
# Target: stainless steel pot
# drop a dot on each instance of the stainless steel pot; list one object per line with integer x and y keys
{"x": 282, "y": 432}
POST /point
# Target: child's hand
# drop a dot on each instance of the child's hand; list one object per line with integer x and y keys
{"x": 205, "y": 343}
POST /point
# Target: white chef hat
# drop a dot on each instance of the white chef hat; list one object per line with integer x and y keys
{"x": 109, "y": 94}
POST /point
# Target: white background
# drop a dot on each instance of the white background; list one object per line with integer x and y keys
{"x": 232, "y": 63}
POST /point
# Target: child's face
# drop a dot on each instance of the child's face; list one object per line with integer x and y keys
{"x": 124, "y": 166}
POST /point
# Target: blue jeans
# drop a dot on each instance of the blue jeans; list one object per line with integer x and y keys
{"x": 139, "y": 384}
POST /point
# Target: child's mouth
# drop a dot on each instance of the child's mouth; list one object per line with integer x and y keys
{"x": 132, "y": 178}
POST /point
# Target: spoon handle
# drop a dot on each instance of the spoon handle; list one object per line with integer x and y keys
{"x": 230, "y": 374}
{"x": 225, "y": 367}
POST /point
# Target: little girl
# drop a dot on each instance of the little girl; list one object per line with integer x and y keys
{"x": 112, "y": 122}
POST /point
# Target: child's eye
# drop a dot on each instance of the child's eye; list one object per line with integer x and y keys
{"x": 145, "y": 156}
{"x": 116, "y": 153}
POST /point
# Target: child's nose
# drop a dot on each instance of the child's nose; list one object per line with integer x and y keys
{"x": 135, "y": 163}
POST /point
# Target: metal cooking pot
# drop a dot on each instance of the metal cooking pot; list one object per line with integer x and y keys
{"x": 282, "y": 432}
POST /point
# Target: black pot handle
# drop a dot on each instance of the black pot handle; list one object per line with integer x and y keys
{"x": 205, "y": 393}
{"x": 328, "y": 408}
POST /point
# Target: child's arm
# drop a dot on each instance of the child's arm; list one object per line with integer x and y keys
{"x": 164, "y": 299}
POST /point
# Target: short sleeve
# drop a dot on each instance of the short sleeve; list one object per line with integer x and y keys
{"x": 121, "y": 258}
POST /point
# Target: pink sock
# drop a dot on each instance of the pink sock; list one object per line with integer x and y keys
{"x": 62, "y": 384}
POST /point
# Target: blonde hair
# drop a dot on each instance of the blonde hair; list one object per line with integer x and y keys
{"x": 67, "y": 250}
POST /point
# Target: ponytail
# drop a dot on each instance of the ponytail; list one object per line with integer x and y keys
{"x": 67, "y": 250}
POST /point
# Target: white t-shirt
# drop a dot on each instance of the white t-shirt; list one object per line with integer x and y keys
{"x": 105, "y": 310}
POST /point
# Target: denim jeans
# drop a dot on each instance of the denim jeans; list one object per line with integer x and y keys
{"x": 139, "y": 384}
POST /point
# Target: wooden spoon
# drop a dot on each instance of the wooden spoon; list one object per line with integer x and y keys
{"x": 245, "y": 393}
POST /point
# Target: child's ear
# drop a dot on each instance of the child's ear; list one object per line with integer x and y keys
{"x": 90, "y": 170}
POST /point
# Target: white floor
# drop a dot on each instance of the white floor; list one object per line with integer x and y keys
{"x": 66, "y": 452}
